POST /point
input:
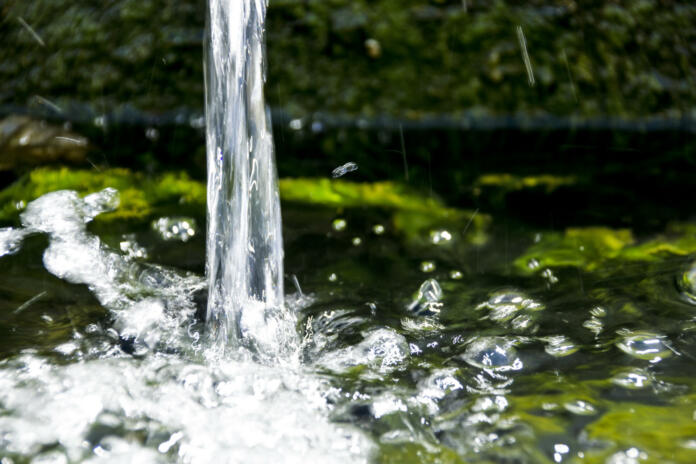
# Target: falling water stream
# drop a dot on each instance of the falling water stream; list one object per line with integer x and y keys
{"x": 425, "y": 334}
{"x": 245, "y": 244}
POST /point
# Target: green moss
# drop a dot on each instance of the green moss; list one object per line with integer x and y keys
{"x": 660, "y": 431}
{"x": 588, "y": 248}
{"x": 142, "y": 195}
{"x": 416, "y": 454}
{"x": 139, "y": 194}
{"x": 413, "y": 213}
{"x": 511, "y": 182}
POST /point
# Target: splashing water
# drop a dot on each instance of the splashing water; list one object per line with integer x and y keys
{"x": 244, "y": 248}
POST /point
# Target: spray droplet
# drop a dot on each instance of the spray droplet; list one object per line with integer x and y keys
{"x": 339, "y": 224}
{"x": 378, "y": 229}
{"x": 440, "y": 237}
{"x": 427, "y": 266}
{"x": 343, "y": 170}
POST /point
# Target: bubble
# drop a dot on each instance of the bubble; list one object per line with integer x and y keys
{"x": 344, "y": 169}
{"x": 387, "y": 403}
{"x": 440, "y": 237}
{"x": 594, "y": 325}
{"x": 175, "y": 228}
{"x": 131, "y": 249}
{"x": 645, "y": 345}
{"x": 559, "y": 346}
{"x": 580, "y": 408}
{"x": 378, "y": 229}
{"x": 495, "y": 353}
{"x": 339, "y": 224}
{"x": 427, "y": 266}
{"x": 505, "y": 304}
{"x": 382, "y": 351}
{"x": 633, "y": 379}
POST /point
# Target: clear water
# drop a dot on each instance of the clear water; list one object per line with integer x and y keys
{"x": 245, "y": 243}
{"x": 399, "y": 347}
{"x": 103, "y": 355}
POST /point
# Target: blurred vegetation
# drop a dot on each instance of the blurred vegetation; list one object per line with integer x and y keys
{"x": 143, "y": 196}
{"x": 410, "y": 58}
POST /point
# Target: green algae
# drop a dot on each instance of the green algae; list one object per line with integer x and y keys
{"x": 141, "y": 195}
{"x": 510, "y": 182}
{"x": 591, "y": 247}
{"x": 660, "y": 431}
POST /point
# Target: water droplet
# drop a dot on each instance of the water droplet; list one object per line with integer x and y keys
{"x": 131, "y": 249}
{"x": 339, "y": 224}
{"x": 357, "y": 241}
{"x": 333, "y": 277}
{"x": 344, "y": 169}
{"x": 505, "y": 304}
{"x": 373, "y": 48}
{"x": 152, "y": 134}
{"x": 580, "y": 408}
{"x": 533, "y": 263}
{"x": 427, "y": 300}
{"x": 594, "y": 325}
{"x": 598, "y": 311}
{"x": 687, "y": 284}
{"x": 440, "y": 237}
{"x": 549, "y": 276}
{"x": 645, "y": 345}
{"x": 378, "y": 229}
{"x": 427, "y": 266}
{"x": 175, "y": 228}
{"x": 559, "y": 346}
{"x": 633, "y": 379}
{"x": 296, "y": 124}
{"x": 456, "y": 275}
{"x": 495, "y": 353}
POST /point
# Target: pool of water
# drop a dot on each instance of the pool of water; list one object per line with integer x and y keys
{"x": 436, "y": 346}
